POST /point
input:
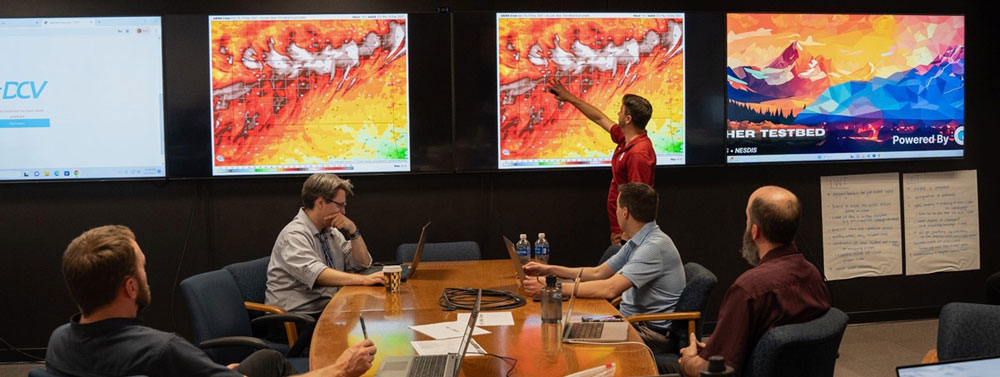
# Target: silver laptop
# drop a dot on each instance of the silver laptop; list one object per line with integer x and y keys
{"x": 960, "y": 368}
{"x": 577, "y": 332}
{"x": 514, "y": 259}
{"x": 432, "y": 365}
{"x": 408, "y": 270}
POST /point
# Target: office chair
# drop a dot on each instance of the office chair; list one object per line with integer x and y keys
{"x": 807, "y": 349}
{"x": 251, "y": 278}
{"x": 222, "y": 325}
{"x": 43, "y": 373}
{"x": 686, "y": 318}
{"x": 439, "y": 252}
{"x": 968, "y": 331}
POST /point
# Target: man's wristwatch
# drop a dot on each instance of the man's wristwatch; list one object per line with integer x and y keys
{"x": 356, "y": 234}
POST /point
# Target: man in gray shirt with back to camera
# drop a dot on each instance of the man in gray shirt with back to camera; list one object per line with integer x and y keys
{"x": 647, "y": 271}
{"x": 317, "y": 252}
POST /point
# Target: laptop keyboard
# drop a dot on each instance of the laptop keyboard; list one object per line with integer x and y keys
{"x": 586, "y": 330}
{"x": 428, "y": 366}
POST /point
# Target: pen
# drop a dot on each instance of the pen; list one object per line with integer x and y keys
{"x": 363, "y": 329}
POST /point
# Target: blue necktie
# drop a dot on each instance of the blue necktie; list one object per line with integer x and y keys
{"x": 323, "y": 244}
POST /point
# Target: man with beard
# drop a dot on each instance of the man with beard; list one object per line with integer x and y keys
{"x": 782, "y": 287}
{"x": 105, "y": 272}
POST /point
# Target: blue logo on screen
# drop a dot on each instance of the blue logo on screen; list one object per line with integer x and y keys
{"x": 23, "y": 89}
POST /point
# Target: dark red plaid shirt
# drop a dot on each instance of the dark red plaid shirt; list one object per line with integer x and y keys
{"x": 784, "y": 288}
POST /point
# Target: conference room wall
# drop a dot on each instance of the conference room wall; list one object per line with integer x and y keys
{"x": 190, "y": 226}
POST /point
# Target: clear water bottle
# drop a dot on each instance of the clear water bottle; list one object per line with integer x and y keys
{"x": 551, "y": 301}
{"x": 542, "y": 249}
{"x": 523, "y": 248}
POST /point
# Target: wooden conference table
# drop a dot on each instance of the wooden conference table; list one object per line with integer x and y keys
{"x": 535, "y": 345}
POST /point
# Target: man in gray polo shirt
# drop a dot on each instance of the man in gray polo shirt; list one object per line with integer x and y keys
{"x": 647, "y": 272}
{"x": 315, "y": 254}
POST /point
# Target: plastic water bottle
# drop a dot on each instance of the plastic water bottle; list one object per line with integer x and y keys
{"x": 523, "y": 248}
{"x": 542, "y": 249}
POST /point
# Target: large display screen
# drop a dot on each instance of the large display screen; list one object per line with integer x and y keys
{"x": 599, "y": 57}
{"x": 294, "y": 94}
{"x": 81, "y": 98}
{"x": 817, "y": 87}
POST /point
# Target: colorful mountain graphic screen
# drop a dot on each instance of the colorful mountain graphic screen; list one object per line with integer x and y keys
{"x": 598, "y": 57}
{"x": 833, "y": 87}
{"x": 298, "y": 94}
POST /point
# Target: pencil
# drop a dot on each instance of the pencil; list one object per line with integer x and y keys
{"x": 363, "y": 329}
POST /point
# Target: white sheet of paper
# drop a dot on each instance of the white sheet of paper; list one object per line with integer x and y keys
{"x": 446, "y": 330}
{"x": 445, "y": 346}
{"x": 941, "y": 211}
{"x": 488, "y": 319}
{"x": 861, "y": 226}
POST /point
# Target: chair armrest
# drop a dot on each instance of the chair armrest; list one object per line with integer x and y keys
{"x": 264, "y": 307}
{"x": 291, "y": 332}
{"x": 300, "y": 319}
{"x": 234, "y": 341}
{"x": 662, "y": 316}
{"x": 931, "y": 357}
{"x": 617, "y": 301}
{"x": 689, "y": 316}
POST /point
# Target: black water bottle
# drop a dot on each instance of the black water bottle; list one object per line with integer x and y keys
{"x": 717, "y": 367}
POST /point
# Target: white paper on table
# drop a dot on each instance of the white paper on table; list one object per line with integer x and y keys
{"x": 446, "y": 330}
{"x": 942, "y": 221}
{"x": 488, "y": 319}
{"x": 446, "y": 346}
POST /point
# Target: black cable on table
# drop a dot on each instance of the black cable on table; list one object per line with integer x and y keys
{"x": 465, "y": 299}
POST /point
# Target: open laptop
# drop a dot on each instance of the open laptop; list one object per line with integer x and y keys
{"x": 408, "y": 270}
{"x": 958, "y": 368}
{"x": 432, "y": 365}
{"x": 575, "y": 332}
{"x": 516, "y": 262}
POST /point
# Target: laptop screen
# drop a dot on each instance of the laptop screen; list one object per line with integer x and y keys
{"x": 961, "y": 368}
{"x": 470, "y": 328}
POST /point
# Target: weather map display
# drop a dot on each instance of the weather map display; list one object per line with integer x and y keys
{"x": 808, "y": 87}
{"x": 294, "y": 94}
{"x": 599, "y": 57}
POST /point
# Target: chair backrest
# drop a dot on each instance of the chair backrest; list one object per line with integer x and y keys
{"x": 440, "y": 251}
{"x": 251, "y": 278}
{"x": 968, "y": 331}
{"x": 694, "y": 297}
{"x": 608, "y": 253}
{"x": 217, "y": 310}
{"x": 807, "y": 349}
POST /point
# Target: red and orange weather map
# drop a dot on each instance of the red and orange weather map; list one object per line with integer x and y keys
{"x": 597, "y": 59}
{"x": 309, "y": 92}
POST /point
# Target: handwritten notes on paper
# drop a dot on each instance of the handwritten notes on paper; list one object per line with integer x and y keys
{"x": 942, "y": 221}
{"x": 861, "y": 226}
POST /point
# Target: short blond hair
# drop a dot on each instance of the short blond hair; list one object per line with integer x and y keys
{"x": 324, "y": 186}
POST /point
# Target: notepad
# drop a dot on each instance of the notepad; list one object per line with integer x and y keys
{"x": 447, "y": 330}
{"x": 446, "y": 346}
{"x": 489, "y": 319}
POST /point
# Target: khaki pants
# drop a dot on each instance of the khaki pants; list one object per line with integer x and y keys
{"x": 657, "y": 341}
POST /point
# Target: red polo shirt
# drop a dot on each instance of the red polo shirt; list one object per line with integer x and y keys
{"x": 632, "y": 162}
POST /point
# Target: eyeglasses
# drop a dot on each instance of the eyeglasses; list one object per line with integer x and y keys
{"x": 341, "y": 205}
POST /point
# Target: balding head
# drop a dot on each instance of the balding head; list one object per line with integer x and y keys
{"x": 775, "y": 211}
